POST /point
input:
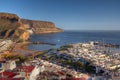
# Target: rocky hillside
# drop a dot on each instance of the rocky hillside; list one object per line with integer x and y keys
{"x": 8, "y": 21}
{"x": 11, "y": 26}
{"x": 8, "y": 24}
{"x": 40, "y": 27}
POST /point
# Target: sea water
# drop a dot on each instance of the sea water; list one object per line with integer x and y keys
{"x": 69, "y": 37}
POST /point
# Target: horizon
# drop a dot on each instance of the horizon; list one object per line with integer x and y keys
{"x": 68, "y": 15}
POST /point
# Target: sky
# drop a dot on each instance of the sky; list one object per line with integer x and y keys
{"x": 68, "y": 14}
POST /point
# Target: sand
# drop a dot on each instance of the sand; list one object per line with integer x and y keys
{"x": 21, "y": 48}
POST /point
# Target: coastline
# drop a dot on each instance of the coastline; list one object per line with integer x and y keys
{"x": 21, "y": 48}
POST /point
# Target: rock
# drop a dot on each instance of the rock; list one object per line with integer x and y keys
{"x": 25, "y": 36}
{"x": 11, "y": 26}
{"x": 8, "y": 24}
{"x": 40, "y": 27}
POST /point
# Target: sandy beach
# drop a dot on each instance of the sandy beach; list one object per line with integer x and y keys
{"x": 21, "y": 48}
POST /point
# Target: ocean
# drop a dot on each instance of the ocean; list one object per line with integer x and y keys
{"x": 68, "y": 37}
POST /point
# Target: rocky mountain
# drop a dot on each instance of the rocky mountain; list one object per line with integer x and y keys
{"x": 40, "y": 27}
{"x": 11, "y": 26}
{"x": 8, "y": 24}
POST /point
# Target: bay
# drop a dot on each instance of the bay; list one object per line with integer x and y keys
{"x": 68, "y": 37}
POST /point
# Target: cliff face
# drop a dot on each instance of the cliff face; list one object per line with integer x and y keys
{"x": 40, "y": 27}
{"x": 10, "y": 26}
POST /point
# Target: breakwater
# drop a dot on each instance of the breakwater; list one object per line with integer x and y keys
{"x": 37, "y": 43}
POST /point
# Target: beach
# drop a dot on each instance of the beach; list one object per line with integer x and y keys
{"x": 21, "y": 48}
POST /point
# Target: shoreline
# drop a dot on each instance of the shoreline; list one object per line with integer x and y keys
{"x": 21, "y": 48}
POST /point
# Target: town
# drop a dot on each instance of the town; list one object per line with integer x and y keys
{"x": 82, "y": 61}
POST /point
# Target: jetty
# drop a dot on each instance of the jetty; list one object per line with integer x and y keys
{"x": 43, "y": 43}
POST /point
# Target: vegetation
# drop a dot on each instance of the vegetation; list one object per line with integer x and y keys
{"x": 42, "y": 54}
{"x": 89, "y": 68}
{"x": 9, "y": 29}
{"x": 8, "y": 24}
{"x": 12, "y": 56}
{"x": 76, "y": 64}
{"x": 65, "y": 47}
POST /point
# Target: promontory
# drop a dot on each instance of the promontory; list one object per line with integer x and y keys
{"x": 12, "y": 26}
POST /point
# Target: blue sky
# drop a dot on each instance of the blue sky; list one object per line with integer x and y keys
{"x": 68, "y": 14}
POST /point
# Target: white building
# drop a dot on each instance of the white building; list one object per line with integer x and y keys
{"x": 34, "y": 74}
{"x": 8, "y": 65}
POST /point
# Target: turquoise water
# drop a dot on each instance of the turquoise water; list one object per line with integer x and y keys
{"x": 68, "y": 37}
